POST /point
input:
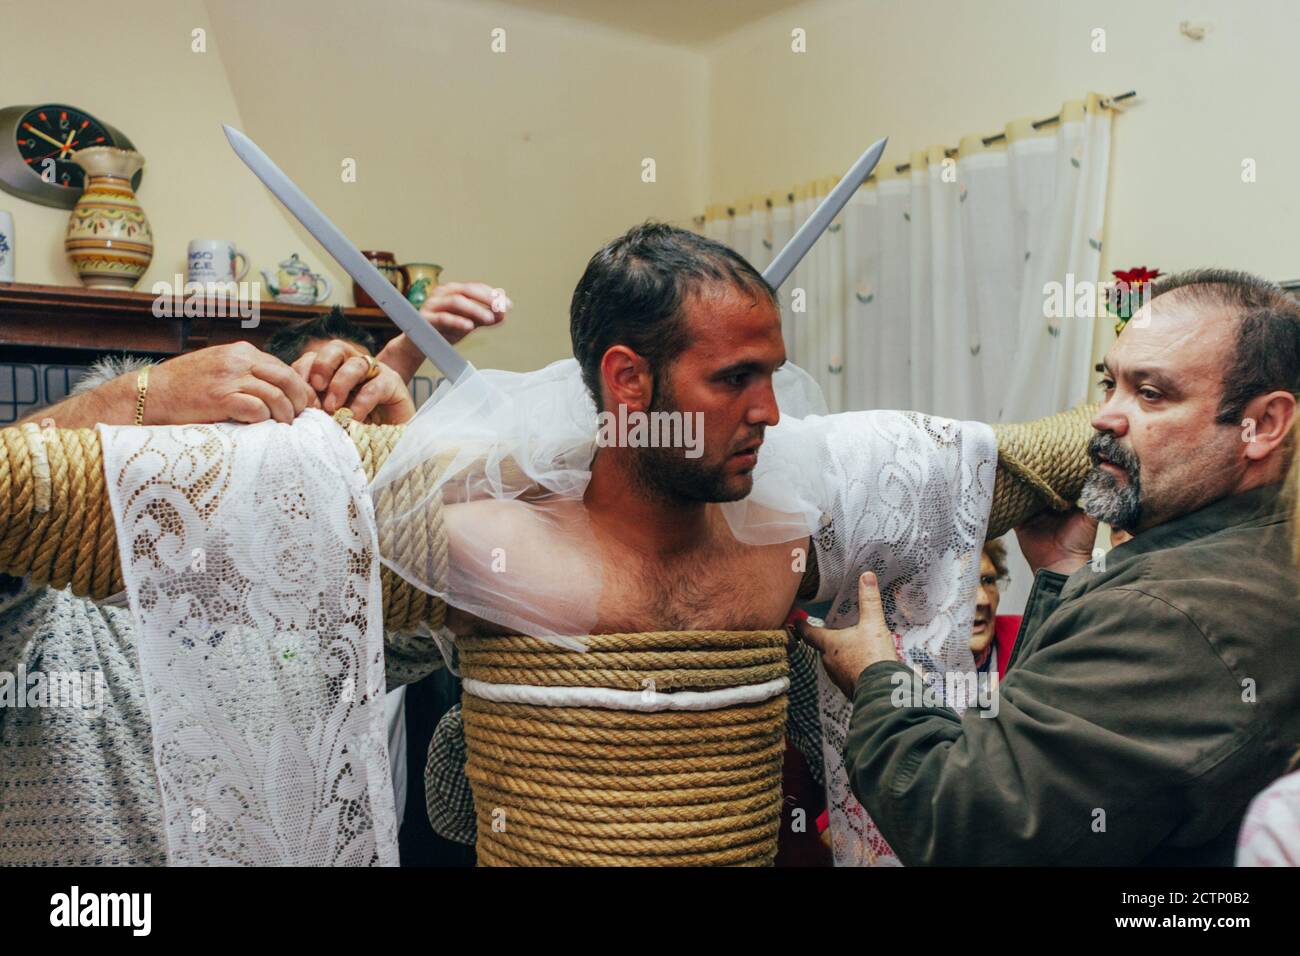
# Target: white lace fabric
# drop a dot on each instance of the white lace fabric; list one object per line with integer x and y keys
{"x": 250, "y": 555}
{"x": 908, "y": 498}
{"x": 250, "y": 559}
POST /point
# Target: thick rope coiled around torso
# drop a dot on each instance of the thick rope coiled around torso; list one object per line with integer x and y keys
{"x": 589, "y": 786}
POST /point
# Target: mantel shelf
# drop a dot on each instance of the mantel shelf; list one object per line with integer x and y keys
{"x": 63, "y": 323}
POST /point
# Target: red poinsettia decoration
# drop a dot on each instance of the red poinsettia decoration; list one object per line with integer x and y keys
{"x": 1135, "y": 276}
{"x": 1126, "y": 294}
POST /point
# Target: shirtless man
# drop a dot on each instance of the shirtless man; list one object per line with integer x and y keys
{"x": 664, "y": 320}
{"x": 706, "y": 339}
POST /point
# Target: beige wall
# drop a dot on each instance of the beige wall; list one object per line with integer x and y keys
{"x": 511, "y": 168}
{"x": 928, "y": 72}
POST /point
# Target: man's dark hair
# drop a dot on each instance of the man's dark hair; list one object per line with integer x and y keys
{"x": 290, "y": 342}
{"x": 1267, "y": 354}
{"x": 633, "y": 292}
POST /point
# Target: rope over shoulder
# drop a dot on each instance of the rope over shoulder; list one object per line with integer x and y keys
{"x": 56, "y": 520}
{"x": 1041, "y": 464}
{"x": 56, "y": 524}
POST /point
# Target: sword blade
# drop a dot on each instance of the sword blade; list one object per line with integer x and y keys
{"x": 830, "y": 207}
{"x": 404, "y": 315}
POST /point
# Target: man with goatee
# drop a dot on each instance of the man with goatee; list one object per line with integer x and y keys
{"x": 1151, "y": 693}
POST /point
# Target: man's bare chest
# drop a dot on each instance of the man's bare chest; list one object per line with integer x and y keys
{"x": 718, "y": 585}
{"x": 737, "y": 588}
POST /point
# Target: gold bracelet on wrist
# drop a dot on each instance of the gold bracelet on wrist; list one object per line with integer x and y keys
{"x": 141, "y": 390}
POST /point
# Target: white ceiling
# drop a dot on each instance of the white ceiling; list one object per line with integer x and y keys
{"x": 680, "y": 22}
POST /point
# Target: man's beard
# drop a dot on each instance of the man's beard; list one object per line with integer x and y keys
{"x": 667, "y": 474}
{"x": 1104, "y": 496}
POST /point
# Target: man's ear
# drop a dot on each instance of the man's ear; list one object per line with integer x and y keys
{"x": 626, "y": 378}
{"x": 1267, "y": 423}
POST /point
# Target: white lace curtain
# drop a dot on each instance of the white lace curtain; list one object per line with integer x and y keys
{"x": 927, "y": 292}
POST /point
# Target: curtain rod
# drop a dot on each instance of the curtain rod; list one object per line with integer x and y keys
{"x": 1106, "y": 103}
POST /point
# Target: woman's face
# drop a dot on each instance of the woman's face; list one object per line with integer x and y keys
{"x": 986, "y": 606}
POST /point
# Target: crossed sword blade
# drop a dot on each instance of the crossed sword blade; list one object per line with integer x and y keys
{"x": 830, "y": 207}
{"x": 386, "y": 295}
{"x": 404, "y": 315}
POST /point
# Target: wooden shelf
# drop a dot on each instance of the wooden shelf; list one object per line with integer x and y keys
{"x": 49, "y": 323}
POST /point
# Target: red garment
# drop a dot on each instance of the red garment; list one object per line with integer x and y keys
{"x": 1005, "y": 629}
{"x": 801, "y": 847}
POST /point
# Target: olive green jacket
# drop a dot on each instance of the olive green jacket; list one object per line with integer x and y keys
{"x": 1145, "y": 703}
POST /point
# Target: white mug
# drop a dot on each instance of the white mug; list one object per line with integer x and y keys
{"x": 6, "y": 247}
{"x": 213, "y": 261}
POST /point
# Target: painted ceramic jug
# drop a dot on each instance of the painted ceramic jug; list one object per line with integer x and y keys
{"x": 108, "y": 241}
{"x": 6, "y": 246}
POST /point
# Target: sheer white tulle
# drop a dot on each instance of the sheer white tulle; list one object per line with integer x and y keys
{"x": 249, "y": 556}
{"x": 531, "y": 436}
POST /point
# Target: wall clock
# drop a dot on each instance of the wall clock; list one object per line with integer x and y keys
{"x": 36, "y": 143}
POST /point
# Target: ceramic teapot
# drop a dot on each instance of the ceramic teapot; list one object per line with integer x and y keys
{"x": 296, "y": 284}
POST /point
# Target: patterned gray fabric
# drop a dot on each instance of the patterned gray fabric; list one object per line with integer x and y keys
{"x": 78, "y": 788}
{"x": 409, "y": 658}
{"x": 451, "y": 803}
